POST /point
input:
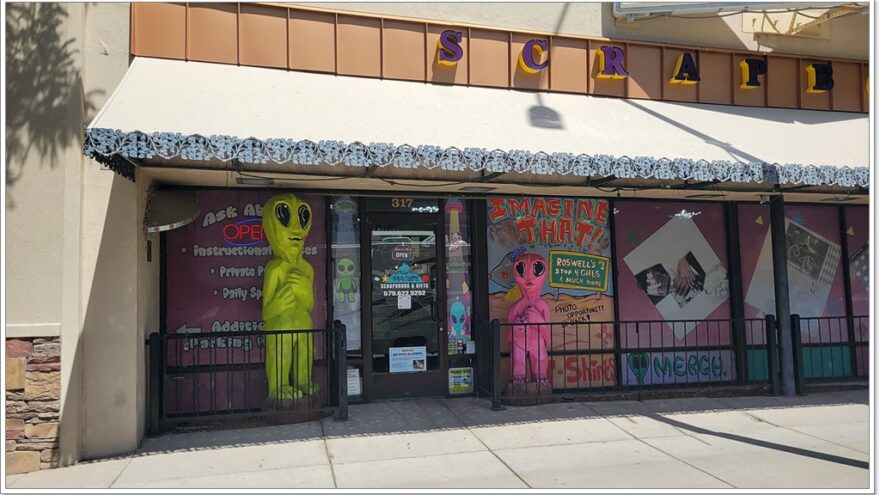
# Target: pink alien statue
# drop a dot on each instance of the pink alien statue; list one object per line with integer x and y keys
{"x": 529, "y": 273}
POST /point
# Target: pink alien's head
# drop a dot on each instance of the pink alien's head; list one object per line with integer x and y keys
{"x": 529, "y": 273}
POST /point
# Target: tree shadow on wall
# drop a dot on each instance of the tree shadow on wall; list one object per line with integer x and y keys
{"x": 45, "y": 105}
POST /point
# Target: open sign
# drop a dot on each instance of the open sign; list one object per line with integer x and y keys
{"x": 247, "y": 232}
{"x": 402, "y": 253}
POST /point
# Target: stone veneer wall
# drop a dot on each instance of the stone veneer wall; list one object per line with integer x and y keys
{"x": 33, "y": 384}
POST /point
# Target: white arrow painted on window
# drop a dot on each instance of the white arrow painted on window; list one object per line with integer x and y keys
{"x": 185, "y": 329}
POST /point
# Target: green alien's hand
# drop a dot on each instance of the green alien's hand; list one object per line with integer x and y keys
{"x": 287, "y": 295}
{"x": 301, "y": 283}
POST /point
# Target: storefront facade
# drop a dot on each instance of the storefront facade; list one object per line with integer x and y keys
{"x": 484, "y": 210}
{"x": 416, "y": 284}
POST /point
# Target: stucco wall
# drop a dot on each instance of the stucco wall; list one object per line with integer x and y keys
{"x": 849, "y": 35}
{"x": 111, "y": 342}
{"x": 147, "y": 297}
{"x": 41, "y": 138}
{"x": 74, "y": 246}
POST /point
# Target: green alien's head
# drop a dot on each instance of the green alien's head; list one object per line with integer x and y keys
{"x": 286, "y": 223}
{"x": 345, "y": 268}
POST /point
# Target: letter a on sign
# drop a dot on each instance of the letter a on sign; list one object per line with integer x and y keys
{"x": 685, "y": 70}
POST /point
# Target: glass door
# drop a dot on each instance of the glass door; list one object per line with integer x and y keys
{"x": 406, "y": 315}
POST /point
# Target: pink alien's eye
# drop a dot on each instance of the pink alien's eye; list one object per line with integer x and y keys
{"x": 538, "y": 268}
{"x": 521, "y": 269}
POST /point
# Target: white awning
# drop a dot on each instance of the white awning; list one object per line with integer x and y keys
{"x": 171, "y": 108}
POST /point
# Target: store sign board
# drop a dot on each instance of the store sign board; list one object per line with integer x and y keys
{"x": 609, "y": 62}
{"x": 535, "y": 57}
{"x": 405, "y": 280}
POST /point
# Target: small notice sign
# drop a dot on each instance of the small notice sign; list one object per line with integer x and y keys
{"x": 582, "y": 271}
{"x": 461, "y": 380}
{"x": 404, "y": 301}
{"x": 406, "y": 359}
{"x": 354, "y": 381}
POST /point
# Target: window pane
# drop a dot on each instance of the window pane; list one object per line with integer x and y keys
{"x": 346, "y": 259}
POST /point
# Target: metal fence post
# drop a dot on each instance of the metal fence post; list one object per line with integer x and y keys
{"x": 341, "y": 371}
{"x": 155, "y": 343}
{"x": 772, "y": 354}
{"x": 495, "y": 329}
{"x": 798, "y": 354}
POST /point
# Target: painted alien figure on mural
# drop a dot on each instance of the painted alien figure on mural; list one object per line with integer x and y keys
{"x": 459, "y": 321}
{"x": 346, "y": 280}
{"x": 288, "y": 298}
{"x": 530, "y": 273}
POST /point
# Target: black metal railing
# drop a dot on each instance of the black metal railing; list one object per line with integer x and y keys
{"x": 224, "y": 374}
{"x": 599, "y": 356}
{"x": 830, "y": 348}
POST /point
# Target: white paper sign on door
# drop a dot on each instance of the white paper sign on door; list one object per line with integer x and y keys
{"x": 404, "y": 301}
{"x": 403, "y": 359}
{"x": 354, "y": 381}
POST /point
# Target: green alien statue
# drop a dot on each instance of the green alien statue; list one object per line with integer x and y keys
{"x": 346, "y": 282}
{"x": 288, "y": 297}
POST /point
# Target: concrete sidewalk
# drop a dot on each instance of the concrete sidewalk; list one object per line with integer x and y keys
{"x": 816, "y": 441}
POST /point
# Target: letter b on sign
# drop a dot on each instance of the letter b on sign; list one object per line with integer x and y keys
{"x": 819, "y": 78}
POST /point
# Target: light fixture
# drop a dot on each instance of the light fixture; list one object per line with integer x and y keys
{"x": 839, "y": 198}
{"x": 255, "y": 181}
{"x": 705, "y": 196}
{"x": 476, "y": 189}
{"x": 168, "y": 210}
{"x": 686, "y": 214}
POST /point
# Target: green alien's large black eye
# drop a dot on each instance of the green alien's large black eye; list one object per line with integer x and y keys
{"x": 305, "y": 216}
{"x": 282, "y": 212}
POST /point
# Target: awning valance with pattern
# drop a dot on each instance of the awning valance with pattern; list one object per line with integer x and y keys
{"x": 191, "y": 111}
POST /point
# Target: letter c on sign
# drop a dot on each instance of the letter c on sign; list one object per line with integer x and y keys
{"x": 530, "y": 56}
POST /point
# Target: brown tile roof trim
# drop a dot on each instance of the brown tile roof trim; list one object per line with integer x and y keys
{"x": 390, "y": 47}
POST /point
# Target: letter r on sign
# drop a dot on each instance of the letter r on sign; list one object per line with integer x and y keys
{"x": 611, "y": 63}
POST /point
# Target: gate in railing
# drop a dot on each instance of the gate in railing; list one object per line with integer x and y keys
{"x": 829, "y": 349}
{"x": 536, "y": 358}
{"x": 213, "y": 376}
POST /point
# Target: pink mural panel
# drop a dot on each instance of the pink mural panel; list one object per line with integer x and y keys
{"x": 857, "y": 231}
{"x": 213, "y": 285}
{"x": 815, "y": 271}
{"x": 674, "y": 292}
{"x": 815, "y": 268}
{"x": 672, "y": 266}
